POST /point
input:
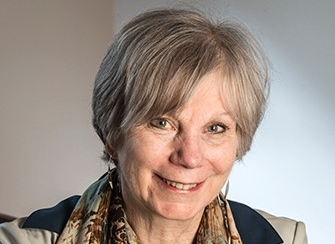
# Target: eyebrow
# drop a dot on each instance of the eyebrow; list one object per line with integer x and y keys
{"x": 222, "y": 115}
{"x": 225, "y": 115}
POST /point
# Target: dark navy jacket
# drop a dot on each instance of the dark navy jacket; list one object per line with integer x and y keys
{"x": 252, "y": 227}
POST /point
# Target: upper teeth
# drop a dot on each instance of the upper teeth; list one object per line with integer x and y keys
{"x": 180, "y": 186}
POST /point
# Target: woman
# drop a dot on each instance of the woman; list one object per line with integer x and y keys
{"x": 176, "y": 103}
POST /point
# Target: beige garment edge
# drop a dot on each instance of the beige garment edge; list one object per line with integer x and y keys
{"x": 291, "y": 231}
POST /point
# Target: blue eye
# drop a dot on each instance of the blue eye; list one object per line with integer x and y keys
{"x": 159, "y": 123}
{"x": 217, "y": 128}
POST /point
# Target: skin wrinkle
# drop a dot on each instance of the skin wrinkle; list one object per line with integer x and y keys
{"x": 181, "y": 148}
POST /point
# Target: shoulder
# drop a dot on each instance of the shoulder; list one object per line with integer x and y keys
{"x": 42, "y": 226}
{"x": 291, "y": 231}
{"x": 12, "y": 233}
{"x": 256, "y": 226}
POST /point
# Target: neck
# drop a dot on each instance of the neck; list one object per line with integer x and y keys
{"x": 151, "y": 228}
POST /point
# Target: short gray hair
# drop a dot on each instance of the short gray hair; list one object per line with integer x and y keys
{"x": 157, "y": 59}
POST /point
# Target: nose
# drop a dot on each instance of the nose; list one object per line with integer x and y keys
{"x": 188, "y": 151}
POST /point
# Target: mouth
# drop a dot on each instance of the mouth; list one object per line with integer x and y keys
{"x": 179, "y": 185}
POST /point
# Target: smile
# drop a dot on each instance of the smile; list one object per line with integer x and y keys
{"x": 178, "y": 185}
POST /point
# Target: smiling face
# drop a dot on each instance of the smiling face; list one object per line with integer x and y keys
{"x": 173, "y": 166}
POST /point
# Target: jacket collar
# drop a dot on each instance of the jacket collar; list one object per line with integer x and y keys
{"x": 252, "y": 227}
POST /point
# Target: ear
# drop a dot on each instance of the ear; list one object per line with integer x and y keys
{"x": 110, "y": 151}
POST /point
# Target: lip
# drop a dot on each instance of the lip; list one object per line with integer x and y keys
{"x": 178, "y": 186}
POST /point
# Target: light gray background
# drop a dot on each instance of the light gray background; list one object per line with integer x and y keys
{"x": 50, "y": 51}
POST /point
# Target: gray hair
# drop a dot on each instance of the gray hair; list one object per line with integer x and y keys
{"x": 157, "y": 59}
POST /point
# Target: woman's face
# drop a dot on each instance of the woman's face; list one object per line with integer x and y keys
{"x": 176, "y": 164}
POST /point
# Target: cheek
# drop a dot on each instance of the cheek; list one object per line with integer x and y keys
{"x": 127, "y": 159}
{"x": 151, "y": 149}
{"x": 225, "y": 157}
{"x": 141, "y": 152}
{"x": 131, "y": 168}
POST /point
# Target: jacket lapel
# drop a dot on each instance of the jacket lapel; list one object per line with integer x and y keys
{"x": 252, "y": 227}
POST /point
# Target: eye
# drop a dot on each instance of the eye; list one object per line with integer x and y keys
{"x": 217, "y": 128}
{"x": 160, "y": 123}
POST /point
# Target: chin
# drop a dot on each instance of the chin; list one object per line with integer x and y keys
{"x": 180, "y": 212}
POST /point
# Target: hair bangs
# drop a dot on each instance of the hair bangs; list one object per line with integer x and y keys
{"x": 167, "y": 77}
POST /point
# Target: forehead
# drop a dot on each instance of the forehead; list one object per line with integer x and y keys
{"x": 209, "y": 87}
{"x": 208, "y": 96}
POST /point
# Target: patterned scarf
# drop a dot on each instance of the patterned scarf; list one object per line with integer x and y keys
{"x": 99, "y": 218}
